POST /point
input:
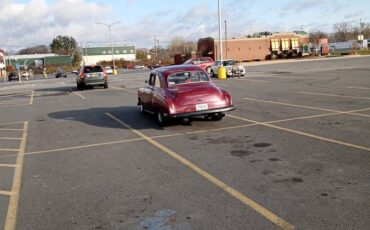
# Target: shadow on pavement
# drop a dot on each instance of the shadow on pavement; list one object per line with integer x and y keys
{"x": 130, "y": 115}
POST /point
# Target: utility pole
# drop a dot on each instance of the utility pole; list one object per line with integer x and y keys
{"x": 155, "y": 48}
{"x": 110, "y": 40}
{"x": 219, "y": 32}
{"x": 226, "y": 38}
{"x": 221, "y": 72}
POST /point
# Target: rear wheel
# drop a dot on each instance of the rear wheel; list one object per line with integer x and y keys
{"x": 160, "y": 118}
{"x": 105, "y": 84}
{"x": 217, "y": 116}
{"x": 213, "y": 74}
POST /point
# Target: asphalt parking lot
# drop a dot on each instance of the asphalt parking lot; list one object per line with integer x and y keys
{"x": 295, "y": 154}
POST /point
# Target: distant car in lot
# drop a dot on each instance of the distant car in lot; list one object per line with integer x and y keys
{"x": 60, "y": 73}
{"x": 25, "y": 74}
{"x": 183, "y": 91}
{"x": 108, "y": 70}
{"x": 203, "y": 62}
{"x": 154, "y": 66}
{"x": 139, "y": 67}
{"x": 91, "y": 75}
{"x": 13, "y": 76}
{"x": 232, "y": 67}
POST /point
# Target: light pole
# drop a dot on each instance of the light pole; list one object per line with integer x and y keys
{"x": 221, "y": 69}
{"x": 225, "y": 37}
{"x": 110, "y": 38}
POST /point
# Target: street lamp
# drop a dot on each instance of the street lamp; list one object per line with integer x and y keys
{"x": 110, "y": 38}
{"x": 221, "y": 69}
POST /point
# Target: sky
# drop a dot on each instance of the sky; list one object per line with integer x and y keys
{"x": 26, "y": 23}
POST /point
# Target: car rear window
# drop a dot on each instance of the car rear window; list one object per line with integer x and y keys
{"x": 187, "y": 77}
{"x": 93, "y": 69}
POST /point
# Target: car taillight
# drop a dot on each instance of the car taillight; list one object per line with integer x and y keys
{"x": 82, "y": 75}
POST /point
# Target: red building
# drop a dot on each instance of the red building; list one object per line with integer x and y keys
{"x": 252, "y": 49}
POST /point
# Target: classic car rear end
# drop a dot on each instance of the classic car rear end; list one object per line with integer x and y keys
{"x": 183, "y": 92}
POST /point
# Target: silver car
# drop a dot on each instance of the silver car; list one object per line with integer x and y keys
{"x": 91, "y": 75}
{"x": 233, "y": 68}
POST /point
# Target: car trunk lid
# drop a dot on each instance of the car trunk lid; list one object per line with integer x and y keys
{"x": 196, "y": 93}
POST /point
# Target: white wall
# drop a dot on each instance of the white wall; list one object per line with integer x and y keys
{"x": 91, "y": 60}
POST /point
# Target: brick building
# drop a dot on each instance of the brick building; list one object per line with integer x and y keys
{"x": 249, "y": 49}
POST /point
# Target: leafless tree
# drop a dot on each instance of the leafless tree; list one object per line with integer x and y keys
{"x": 314, "y": 35}
{"x": 343, "y": 31}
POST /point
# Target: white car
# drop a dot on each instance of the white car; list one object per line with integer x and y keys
{"x": 139, "y": 67}
{"x": 233, "y": 68}
{"x": 108, "y": 70}
{"x": 25, "y": 74}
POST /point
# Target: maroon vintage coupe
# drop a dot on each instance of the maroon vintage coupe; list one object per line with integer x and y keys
{"x": 183, "y": 91}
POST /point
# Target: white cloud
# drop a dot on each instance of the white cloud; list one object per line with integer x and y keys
{"x": 38, "y": 22}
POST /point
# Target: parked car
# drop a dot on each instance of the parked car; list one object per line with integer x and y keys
{"x": 13, "y": 76}
{"x": 183, "y": 91}
{"x": 108, "y": 70}
{"x": 233, "y": 69}
{"x": 60, "y": 73}
{"x": 203, "y": 62}
{"x": 91, "y": 75}
{"x": 25, "y": 74}
{"x": 139, "y": 67}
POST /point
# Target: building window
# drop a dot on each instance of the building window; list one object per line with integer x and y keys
{"x": 110, "y": 51}
{"x": 104, "y": 52}
{"x": 125, "y": 51}
{"x": 117, "y": 51}
{"x": 131, "y": 51}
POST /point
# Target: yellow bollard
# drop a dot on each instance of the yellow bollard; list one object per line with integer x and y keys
{"x": 115, "y": 72}
{"x": 221, "y": 73}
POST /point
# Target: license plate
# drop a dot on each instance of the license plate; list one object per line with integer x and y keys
{"x": 94, "y": 75}
{"x": 200, "y": 107}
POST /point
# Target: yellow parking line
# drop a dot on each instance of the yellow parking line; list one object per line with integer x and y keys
{"x": 127, "y": 90}
{"x": 335, "y": 95}
{"x": 9, "y": 150}
{"x": 1, "y": 129}
{"x": 303, "y": 133}
{"x": 17, "y": 178}
{"x": 84, "y": 146}
{"x": 135, "y": 139}
{"x": 32, "y": 96}
{"x": 180, "y": 134}
{"x": 10, "y": 138}
{"x": 354, "y": 87}
{"x": 5, "y": 193}
{"x": 75, "y": 93}
{"x": 8, "y": 165}
{"x": 12, "y": 123}
{"x": 314, "y": 108}
{"x": 226, "y": 188}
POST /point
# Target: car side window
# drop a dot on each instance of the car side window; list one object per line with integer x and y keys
{"x": 152, "y": 80}
{"x": 157, "y": 82}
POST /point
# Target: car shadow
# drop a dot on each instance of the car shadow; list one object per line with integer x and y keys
{"x": 130, "y": 115}
{"x": 54, "y": 91}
